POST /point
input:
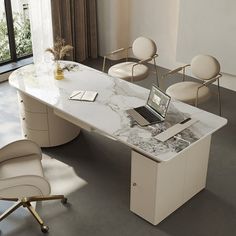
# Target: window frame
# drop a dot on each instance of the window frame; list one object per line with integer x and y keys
{"x": 11, "y": 36}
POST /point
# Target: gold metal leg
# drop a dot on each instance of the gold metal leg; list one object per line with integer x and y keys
{"x": 104, "y": 64}
{"x": 155, "y": 65}
{"x": 25, "y": 202}
{"x": 9, "y": 199}
{"x": 10, "y": 210}
{"x": 219, "y": 97}
{"x": 48, "y": 198}
{"x": 34, "y": 213}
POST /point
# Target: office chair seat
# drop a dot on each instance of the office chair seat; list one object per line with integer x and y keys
{"x": 22, "y": 180}
{"x": 124, "y": 71}
{"x": 186, "y": 92}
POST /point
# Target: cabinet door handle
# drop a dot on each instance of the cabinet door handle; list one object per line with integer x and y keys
{"x": 134, "y": 184}
{"x": 21, "y": 101}
{"x": 23, "y": 118}
{"x": 25, "y": 135}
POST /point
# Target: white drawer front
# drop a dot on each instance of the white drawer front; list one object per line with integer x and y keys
{"x": 36, "y": 121}
{"x": 38, "y": 136}
{"x": 31, "y": 104}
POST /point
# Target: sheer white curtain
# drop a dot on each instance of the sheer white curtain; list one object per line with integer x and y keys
{"x": 41, "y": 27}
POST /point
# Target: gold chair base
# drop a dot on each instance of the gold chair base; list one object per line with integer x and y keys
{"x": 26, "y": 202}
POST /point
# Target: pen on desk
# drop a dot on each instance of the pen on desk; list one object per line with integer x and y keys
{"x": 75, "y": 94}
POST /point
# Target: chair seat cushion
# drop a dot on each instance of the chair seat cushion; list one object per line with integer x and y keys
{"x": 124, "y": 71}
{"x": 186, "y": 92}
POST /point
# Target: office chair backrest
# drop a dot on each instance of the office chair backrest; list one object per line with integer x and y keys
{"x": 205, "y": 67}
{"x": 143, "y": 48}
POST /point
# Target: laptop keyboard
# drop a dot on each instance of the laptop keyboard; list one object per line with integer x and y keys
{"x": 148, "y": 115}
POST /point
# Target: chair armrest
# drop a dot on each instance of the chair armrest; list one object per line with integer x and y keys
{"x": 113, "y": 53}
{"x": 19, "y": 148}
{"x": 176, "y": 70}
{"x": 143, "y": 61}
{"x": 117, "y": 51}
{"x": 210, "y": 81}
{"x": 138, "y": 63}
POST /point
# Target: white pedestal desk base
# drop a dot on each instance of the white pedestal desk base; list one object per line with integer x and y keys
{"x": 41, "y": 125}
{"x": 158, "y": 189}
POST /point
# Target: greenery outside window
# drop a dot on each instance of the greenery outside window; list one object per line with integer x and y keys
{"x": 15, "y": 35}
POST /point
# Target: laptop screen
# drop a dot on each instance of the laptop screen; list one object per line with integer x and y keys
{"x": 158, "y": 100}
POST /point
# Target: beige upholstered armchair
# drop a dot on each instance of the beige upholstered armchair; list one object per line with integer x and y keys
{"x": 22, "y": 179}
{"x": 206, "y": 69}
{"x": 144, "y": 49}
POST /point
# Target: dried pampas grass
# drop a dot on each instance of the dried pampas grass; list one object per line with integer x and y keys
{"x": 59, "y": 50}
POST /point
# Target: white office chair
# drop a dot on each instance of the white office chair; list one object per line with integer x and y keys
{"x": 207, "y": 70}
{"x": 143, "y": 49}
{"x": 22, "y": 179}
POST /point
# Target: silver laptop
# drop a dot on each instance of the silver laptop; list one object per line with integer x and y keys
{"x": 155, "y": 109}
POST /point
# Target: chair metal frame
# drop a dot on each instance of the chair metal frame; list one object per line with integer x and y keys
{"x": 26, "y": 202}
{"x": 137, "y": 63}
{"x": 18, "y": 149}
{"x": 202, "y": 83}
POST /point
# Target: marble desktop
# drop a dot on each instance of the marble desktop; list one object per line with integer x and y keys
{"x": 108, "y": 113}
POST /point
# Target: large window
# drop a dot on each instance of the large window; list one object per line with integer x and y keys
{"x": 15, "y": 36}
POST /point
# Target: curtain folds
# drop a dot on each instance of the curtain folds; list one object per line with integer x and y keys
{"x": 76, "y": 22}
{"x": 41, "y": 28}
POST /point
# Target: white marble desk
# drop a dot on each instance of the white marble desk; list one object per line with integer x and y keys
{"x": 107, "y": 116}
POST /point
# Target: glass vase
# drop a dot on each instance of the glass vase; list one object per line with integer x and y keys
{"x": 59, "y": 74}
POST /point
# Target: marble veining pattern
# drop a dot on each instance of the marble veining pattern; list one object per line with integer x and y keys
{"x": 108, "y": 113}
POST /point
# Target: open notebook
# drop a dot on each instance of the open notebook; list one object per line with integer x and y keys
{"x": 81, "y": 95}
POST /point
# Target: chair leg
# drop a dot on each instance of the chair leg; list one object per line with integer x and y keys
{"x": 196, "y": 100}
{"x": 219, "y": 97}
{"x": 34, "y": 213}
{"x": 104, "y": 64}
{"x": 25, "y": 202}
{"x": 48, "y": 198}
{"x": 10, "y": 210}
{"x": 155, "y": 65}
{"x": 8, "y": 199}
{"x": 44, "y": 228}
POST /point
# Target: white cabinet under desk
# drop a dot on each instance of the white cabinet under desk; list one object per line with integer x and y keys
{"x": 164, "y": 175}
{"x": 159, "y": 188}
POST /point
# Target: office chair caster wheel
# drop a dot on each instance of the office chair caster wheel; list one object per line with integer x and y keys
{"x": 44, "y": 228}
{"x": 64, "y": 200}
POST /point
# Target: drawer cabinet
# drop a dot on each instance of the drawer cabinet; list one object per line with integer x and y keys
{"x": 159, "y": 188}
{"x": 40, "y": 124}
{"x": 33, "y": 120}
{"x": 29, "y": 104}
{"x": 39, "y": 136}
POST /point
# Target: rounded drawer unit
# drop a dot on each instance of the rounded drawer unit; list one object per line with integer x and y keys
{"x": 30, "y": 104}
{"x": 39, "y": 136}
{"x": 36, "y": 121}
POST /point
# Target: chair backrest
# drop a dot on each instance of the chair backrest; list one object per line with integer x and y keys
{"x": 205, "y": 67}
{"x": 144, "y": 48}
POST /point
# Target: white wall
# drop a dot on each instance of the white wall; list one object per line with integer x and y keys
{"x": 156, "y": 19}
{"x": 121, "y": 21}
{"x": 113, "y": 24}
{"x": 207, "y": 28}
